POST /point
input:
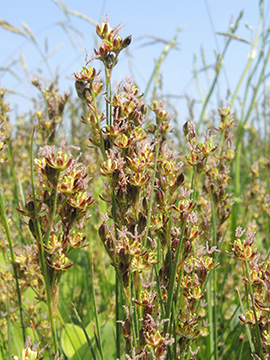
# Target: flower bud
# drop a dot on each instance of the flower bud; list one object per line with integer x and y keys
{"x": 186, "y": 128}
{"x": 121, "y": 194}
{"x": 145, "y": 203}
{"x": 202, "y": 274}
{"x": 110, "y": 247}
{"x": 116, "y": 175}
{"x": 107, "y": 143}
{"x": 142, "y": 222}
{"x": 180, "y": 179}
{"x": 126, "y": 42}
{"x": 128, "y": 325}
{"x": 188, "y": 249}
{"x": 30, "y": 207}
{"x": 126, "y": 279}
{"x": 32, "y": 228}
{"x": 103, "y": 232}
{"x": 50, "y": 172}
{"x": 143, "y": 109}
{"x": 124, "y": 258}
{"x": 160, "y": 197}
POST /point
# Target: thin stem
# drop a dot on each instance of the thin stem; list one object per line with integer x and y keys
{"x": 117, "y": 316}
{"x": 151, "y": 197}
{"x": 172, "y": 278}
{"x": 91, "y": 267}
{"x": 41, "y": 252}
{"x": 257, "y": 331}
{"x": 12, "y": 255}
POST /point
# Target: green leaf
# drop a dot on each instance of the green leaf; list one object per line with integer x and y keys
{"x": 17, "y": 343}
{"x": 108, "y": 340}
{"x": 72, "y": 339}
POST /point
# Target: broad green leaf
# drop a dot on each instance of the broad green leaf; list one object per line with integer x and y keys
{"x": 72, "y": 338}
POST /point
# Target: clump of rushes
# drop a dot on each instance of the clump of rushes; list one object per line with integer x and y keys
{"x": 3, "y": 146}
{"x": 150, "y": 231}
{"x": 57, "y": 209}
{"x": 211, "y": 164}
{"x": 51, "y": 116}
{"x": 214, "y": 200}
{"x": 255, "y": 273}
{"x": 61, "y": 205}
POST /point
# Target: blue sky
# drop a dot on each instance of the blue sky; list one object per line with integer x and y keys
{"x": 199, "y": 20}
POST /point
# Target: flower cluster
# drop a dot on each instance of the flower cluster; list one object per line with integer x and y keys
{"x": 51, "y": 116}
{"x": 56, "y": 222}
{"x": 199, "y": 151}
{"x": 4, "y": 110}
{"x": 256, "y": 275}
{"x": 3, "y": 146}
{"x": 112, "y": 43}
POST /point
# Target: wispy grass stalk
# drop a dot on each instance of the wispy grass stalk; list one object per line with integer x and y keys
{"x": 243, "y": 122}
{"x": 218, "y": 68}
{"x": 157, "y": 69}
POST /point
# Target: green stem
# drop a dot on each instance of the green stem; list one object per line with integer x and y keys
{"x": 250, "y": 61}
{"x": 12, "y": 255}
{"x": 117, "y": 316}
{"x": 132, "y": 316}
{"x": 9, "y": 331}
{"x": 108, "y": 74}
{"x": 151, "y": 197}
{"x": 42, "y": 254}
{"x": 172, "y": 278}
{"x": 91, "y": 267}
{"x": 214, "y": 324}
{"x": 257, "y": 329}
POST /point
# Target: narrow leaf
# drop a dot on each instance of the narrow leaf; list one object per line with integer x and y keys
{"x": 233, "y": 36}
{"x": 29, "y": 32}
{"x": 7, "y": 26}
{"x": 82, "y": 16}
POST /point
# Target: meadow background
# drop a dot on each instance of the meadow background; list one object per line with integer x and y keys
{"x": 162, "y": 269}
